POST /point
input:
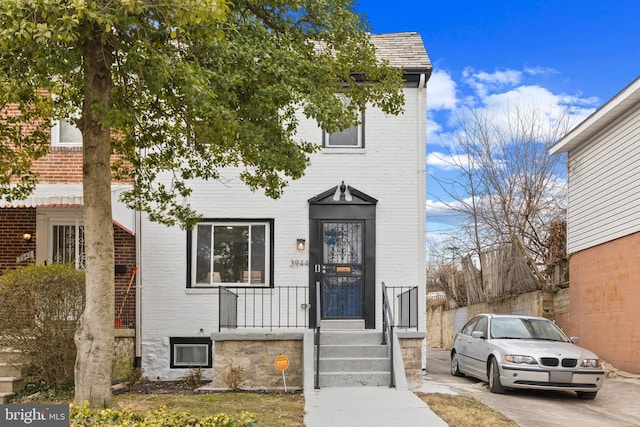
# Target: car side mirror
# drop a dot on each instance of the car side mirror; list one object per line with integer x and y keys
{"x": 477, "y": 334}
{"x": 574, "y": 340}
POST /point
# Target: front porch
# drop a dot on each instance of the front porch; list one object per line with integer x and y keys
{"x": 258, "y": 325}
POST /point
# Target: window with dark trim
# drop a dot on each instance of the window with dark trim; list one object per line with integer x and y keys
{"x": 230, "y": 253}
{"x": 190, "y": 352}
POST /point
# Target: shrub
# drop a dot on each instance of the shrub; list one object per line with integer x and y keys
{"x": 234, "y": 378}
{"x": 82, "y": 415}
{"x": 41, "y": 308}
{"x": 194, "y": 379}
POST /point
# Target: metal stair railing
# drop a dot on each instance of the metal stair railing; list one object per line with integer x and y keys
{"x": 387, "y": 332}
{"x": 317, "y": 338}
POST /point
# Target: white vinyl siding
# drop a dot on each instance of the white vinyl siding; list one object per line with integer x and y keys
{"x": 604, "y": 194}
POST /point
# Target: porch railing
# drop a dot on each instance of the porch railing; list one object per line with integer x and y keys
{"x": 387, "y": 332}
{"x": 278, "y": 307}
{"x": 403, "y": 301}
{"x": 287, "y": 307}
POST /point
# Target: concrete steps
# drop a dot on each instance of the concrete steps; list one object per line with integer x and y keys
{"x": 11, "y": 380}
{"x": 353, "y": 359}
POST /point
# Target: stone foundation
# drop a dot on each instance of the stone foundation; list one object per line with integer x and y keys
{"x": 411, "y": 350}
{"x": 254, "y": 353}
{"x": 123, "y": 353}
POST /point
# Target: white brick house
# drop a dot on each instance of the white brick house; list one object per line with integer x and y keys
{"x": 375, "y": 233}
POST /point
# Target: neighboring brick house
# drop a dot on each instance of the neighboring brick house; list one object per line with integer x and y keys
{"x": 603, "y": 229}
{"x": 355, "y": 220}
{"x": 52, "y": 217}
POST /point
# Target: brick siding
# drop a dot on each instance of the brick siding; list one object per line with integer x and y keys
{"x": 14, "y": 222}
{"x": 603, "y": 294}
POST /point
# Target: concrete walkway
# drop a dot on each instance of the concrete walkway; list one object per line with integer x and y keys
{"x": 367, "y": 407}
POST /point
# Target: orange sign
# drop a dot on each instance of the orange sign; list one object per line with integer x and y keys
{"x": 281, "y": 363}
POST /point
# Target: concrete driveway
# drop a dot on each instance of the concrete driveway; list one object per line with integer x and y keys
{"x": 617, "y": 403}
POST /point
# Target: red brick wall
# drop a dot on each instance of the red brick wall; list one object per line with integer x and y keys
{"x": 13, "y": 224}
{"x": 125, "y": 254}
{"x": 63, "y": 166}
{"x": 604, "y": 301}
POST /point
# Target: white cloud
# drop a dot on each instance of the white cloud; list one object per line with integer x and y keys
{"x": 498, "y": 96}
{"x": 441, "y": 92}
{"x": 483, "y": 82}
{"x": 539, "y": 71}
{"x": 446, "y": 161}
{"x": 440, "y": 213}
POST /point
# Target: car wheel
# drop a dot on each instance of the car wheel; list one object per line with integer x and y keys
{"x": 455, "y": 370}
{"x": 586, "y": 395}
{"x": 494, "y": 377}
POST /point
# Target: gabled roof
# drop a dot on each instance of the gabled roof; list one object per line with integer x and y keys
{"x": 406, "y": 51}
{"x": 614, "y": 108}
{"x": 402, "y": 50}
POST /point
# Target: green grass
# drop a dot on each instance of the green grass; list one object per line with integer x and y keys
{"x": 272, "y": 409}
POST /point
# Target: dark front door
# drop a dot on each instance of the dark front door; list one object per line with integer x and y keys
{"x": 342, "y": 236}
{"x": 341, "y": 271}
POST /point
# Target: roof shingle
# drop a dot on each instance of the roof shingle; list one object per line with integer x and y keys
{"x": 404, "y": 50}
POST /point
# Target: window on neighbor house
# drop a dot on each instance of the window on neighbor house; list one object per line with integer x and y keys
{"x": 232, "y": 253}
{"x": 190, "y": 353}
{"x": 67, "y": 245}
{"x": 65, "y": 134}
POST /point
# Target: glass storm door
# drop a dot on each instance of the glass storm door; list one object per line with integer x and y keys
{"x": 342, "y": 269}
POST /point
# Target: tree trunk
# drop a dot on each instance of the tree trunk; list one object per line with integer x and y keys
{"x": 94, "y": 338}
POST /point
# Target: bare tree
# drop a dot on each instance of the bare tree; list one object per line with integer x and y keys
{"x": 508, "y": 185}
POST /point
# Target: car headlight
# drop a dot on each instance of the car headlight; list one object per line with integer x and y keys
{"x": 518, "y": 358}
{"x": 591, "y": 363}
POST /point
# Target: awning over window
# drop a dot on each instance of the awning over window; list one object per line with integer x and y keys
{"x": 70, "y": 195}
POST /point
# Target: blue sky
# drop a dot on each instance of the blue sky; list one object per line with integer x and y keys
{"x": 495, "y": 54}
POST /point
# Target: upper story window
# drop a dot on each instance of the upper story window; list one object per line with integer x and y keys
{"x": 65, "y": 134}
{"x": 232, "y": 253}
{"x": 352, "y": 137}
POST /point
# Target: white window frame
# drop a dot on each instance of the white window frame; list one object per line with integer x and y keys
{"x": 359, "y": 143}
{"x": 55, "y": 136}
{"x": 255, "y": 279}
{"x": 326, "y": 137}
{"x": 79, "y": 262}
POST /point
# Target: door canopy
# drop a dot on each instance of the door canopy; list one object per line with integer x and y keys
{"x": 342, "y": 195}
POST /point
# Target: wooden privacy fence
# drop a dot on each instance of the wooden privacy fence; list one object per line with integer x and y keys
{"x": 506, "y": 270}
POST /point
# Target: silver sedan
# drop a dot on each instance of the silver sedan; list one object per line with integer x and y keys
{"x": 510, "y": 351}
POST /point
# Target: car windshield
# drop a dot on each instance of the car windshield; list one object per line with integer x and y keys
{"x": 522, "y": 328}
